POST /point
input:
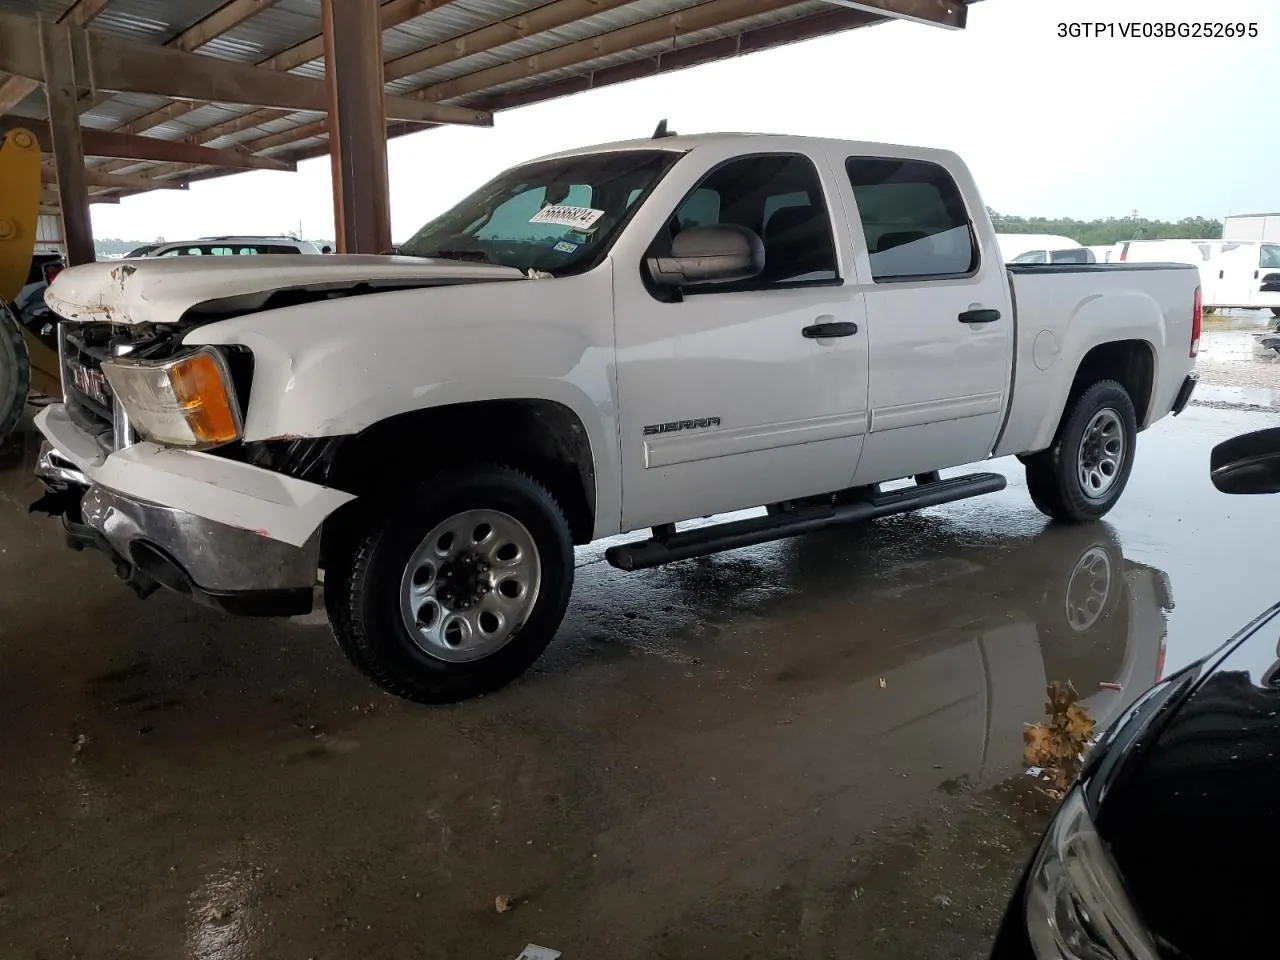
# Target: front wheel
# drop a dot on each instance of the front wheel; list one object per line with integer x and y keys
{"x": 456, "y": 591}
{"x": 1082, "y": 475}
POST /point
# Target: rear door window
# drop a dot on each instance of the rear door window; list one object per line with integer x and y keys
{"x": 914, "y": 219}
{"x": 1269, "y": 256}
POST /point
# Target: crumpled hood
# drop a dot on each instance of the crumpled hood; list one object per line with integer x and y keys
{"x": 162, "y": 289}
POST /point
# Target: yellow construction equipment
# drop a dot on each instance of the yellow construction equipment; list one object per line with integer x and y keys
{"x": 19, "y": 208}
{"x": 25, "y": 361}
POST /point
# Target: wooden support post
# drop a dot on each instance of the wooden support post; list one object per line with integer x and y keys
{"x": 358, "y": 125}
{"x": 60, "y": 65}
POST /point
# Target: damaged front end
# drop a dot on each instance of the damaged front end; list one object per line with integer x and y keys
{"x": 227, "y": 527}
{"x": 65, "y": 486}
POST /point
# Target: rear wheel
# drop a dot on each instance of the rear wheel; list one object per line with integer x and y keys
{"x": 457, "y": 591}
{"x": 15, "y": 372}
{"x": 1083, "y": 474}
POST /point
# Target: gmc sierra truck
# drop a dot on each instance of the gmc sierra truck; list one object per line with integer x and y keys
{"x": 609, "y": 339}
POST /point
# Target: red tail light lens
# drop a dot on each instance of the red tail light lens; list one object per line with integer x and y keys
{"x": 1195, "y": 323}
{"x": 51, "y": 270}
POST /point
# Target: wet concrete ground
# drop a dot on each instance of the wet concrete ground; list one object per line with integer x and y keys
{"x": 809, "y": 749}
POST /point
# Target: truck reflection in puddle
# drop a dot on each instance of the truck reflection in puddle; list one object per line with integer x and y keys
{"x": 914, "y": 649}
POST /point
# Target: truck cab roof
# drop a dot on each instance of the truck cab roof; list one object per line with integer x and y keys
{"x": 684, "y": 143}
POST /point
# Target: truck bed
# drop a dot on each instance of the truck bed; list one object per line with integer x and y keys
{"x": 1062, "y": 310}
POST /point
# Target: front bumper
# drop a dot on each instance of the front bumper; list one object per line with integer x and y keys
{"x": 227, "y": 534}
{"x": 157, "y": 546}
{"x": 216, "y": 565}
{"x": 1184, "y": 392}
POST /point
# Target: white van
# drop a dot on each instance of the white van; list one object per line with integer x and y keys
{"x": 1233, "y": 274}
{"x": 1042, "y": 248}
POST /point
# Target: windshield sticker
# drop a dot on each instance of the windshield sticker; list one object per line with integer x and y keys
{"x": 565, "y": 247}
{"x": 580, "y": 218}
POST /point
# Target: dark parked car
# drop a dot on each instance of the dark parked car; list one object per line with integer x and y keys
{"x": 1164, "y": 847}
{"x": 29, "y": 306}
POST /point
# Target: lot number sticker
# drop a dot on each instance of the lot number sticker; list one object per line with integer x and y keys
{"x": 580, "y": 218}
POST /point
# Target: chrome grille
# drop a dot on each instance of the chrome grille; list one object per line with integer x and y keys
{"x": 85, "y": 391}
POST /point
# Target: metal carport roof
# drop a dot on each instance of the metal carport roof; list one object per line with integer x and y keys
{"x": 173, "y": 91}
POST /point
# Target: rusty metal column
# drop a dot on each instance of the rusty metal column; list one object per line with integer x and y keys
{"x": 357, "y": 125}
{"x": 63, "y": 73}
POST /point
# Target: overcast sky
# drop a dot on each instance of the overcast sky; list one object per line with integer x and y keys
{"x": 1051, "y": 126}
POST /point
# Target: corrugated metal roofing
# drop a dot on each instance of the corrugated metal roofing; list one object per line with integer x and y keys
{"x": 275, "y": 27}
{"x": 46, "y": 8}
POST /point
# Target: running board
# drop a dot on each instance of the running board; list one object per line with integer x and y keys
{"x": 670, "y": 546}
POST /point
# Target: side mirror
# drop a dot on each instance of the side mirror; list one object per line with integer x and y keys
{"x": 718, "y": 254}
{"x": 1249, "y": 463}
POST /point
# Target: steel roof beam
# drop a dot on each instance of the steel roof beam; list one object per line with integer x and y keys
{"x": 391, "y": 14}
{"x": 748, "y": 41}
{"x": 106, "y": 143}
{"x": 558, "y": 13}
{"x": 950, "y": 14}
{"x": 713, "y": 13}
{"x": 126, "y": 67}
{"x": 16, "y": 89}
{"x": 117, "y": 181}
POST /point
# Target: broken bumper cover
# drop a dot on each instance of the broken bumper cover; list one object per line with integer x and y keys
{"x": 227, "y": 534}
{"x": 216, "y": 565}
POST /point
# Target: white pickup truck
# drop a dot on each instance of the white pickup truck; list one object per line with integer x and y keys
{"x": 609, "y": 339}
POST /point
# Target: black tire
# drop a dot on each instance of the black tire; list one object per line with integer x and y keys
{"x": 362, "y": 585}
{"x": 1052, "y": 476}
{"x": 15, "y": 372}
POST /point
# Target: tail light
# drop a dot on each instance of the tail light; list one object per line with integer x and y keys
{"x": 1124, "y": 253}
{"x": 1195, "y": 323}
{"x": 51, "y": 270}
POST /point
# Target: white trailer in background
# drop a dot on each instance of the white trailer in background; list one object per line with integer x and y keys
{"x": 1252, "y": 226}
{"x": 1234, "y": 274}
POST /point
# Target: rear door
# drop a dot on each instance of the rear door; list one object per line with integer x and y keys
{"x": 939, "y": 322}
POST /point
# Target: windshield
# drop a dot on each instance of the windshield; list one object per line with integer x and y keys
{"x": 1269, "y": 256}
{"x": 555, "y": 216}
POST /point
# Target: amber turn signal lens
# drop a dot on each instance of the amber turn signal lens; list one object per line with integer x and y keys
{"x": 187, "y": 401}
{"x": 202, "y": 395}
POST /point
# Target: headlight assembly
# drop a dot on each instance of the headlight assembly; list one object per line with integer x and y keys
{"x": 186, "y": 401}
{"x": 1076, "y": 904}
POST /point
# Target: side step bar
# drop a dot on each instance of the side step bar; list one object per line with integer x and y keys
{"x": 670, "y": 546}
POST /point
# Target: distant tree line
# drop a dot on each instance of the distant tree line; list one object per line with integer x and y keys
{"x": 1111, "y": 230}
{"x": 113, "y": 246}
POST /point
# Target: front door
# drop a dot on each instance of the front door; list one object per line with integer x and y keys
{"x": 727, "y": 398}
{"x": 939, "y": 323}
